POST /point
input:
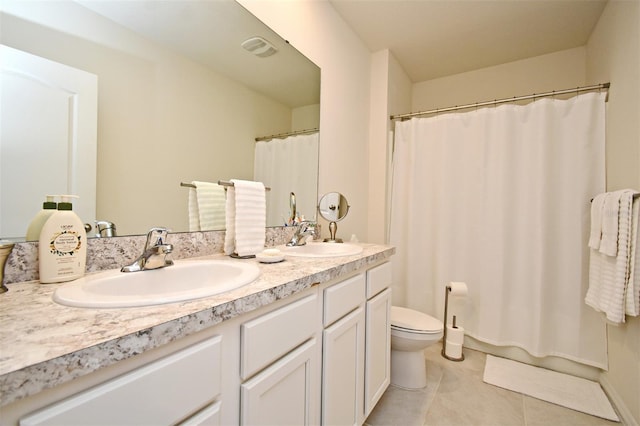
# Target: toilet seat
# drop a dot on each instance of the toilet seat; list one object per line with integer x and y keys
{"x": 403, "y": 319}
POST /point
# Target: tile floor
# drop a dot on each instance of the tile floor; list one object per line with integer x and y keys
{"x": 456, "y": 395}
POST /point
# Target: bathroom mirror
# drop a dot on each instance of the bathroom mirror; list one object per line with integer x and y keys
{"x": 333, "y": 207}
{"x": 179, "y": 99}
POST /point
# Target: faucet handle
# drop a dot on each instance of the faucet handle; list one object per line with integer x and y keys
{"x": 160, "y": 235}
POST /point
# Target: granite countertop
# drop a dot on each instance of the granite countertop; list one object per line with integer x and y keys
{"x": 44, "y": 344}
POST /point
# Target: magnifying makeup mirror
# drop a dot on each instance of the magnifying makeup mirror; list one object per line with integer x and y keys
{"x": 333, "y": 207}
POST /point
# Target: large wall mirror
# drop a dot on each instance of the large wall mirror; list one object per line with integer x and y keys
{"x": 178, "y": 100}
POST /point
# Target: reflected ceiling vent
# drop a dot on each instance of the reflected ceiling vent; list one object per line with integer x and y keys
{"x": 259, "y": 47}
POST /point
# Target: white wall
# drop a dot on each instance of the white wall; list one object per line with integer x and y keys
{"x": 316, "y": 30}
{"x": 613, "y": 54}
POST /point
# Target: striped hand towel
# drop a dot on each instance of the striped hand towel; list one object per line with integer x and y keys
{"x": 246, "y": 218}
{"x": 206, "y": 206}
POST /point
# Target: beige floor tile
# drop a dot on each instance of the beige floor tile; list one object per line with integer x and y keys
{"x": 404, "y": 407}
{"x": 463, "y": 399}
{"x": 456, "y": 395}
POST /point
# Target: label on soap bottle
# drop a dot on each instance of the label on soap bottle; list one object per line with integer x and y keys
{"x": 65, "y": 243}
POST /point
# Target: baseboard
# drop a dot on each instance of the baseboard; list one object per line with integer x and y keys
{"x": 618, "y": 404}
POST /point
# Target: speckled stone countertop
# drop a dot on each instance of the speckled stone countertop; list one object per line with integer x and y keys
{"x": 44, "y": 344}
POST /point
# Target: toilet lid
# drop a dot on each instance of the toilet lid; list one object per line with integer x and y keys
{"x": 414, "y": 320}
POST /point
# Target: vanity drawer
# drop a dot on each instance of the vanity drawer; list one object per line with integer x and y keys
{"x": 162, "y": 392}
{"x": 378, "y": 278}
{"x": 271, "y": 336}
{"x": 342, "y": 298}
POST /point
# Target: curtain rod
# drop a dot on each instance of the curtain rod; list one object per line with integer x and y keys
{"x": 284, "y": 135}
{"x": 534, "y": 96}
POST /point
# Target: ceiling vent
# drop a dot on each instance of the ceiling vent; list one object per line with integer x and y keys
{"x": 259, "y": 47}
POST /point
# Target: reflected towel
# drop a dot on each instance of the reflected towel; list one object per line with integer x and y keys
{"x": 206, "y": 206}
{"x": 609, "y": 277}
{"x": 245, "y": 218}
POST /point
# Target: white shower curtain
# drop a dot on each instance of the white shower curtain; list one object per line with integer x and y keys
{"x": 288, "y": 165}
{"x": 499, "y": 198}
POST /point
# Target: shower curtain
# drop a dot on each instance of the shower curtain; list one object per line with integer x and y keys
{"x": 499, "y": 198}
{"x": 288, "y": 165}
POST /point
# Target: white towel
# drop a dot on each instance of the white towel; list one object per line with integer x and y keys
{"x": 596, "y": 221}
{"x": 609, "y": 277}
{"x": 206, "y": 206}
{"x": 245, "y": 218}
{"x": 610, "y": 219}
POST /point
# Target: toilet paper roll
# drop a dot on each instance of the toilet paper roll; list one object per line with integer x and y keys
{"x": 458, "y": 288}
{"x": 453, "y": 350}
{"x": 455, "y": 335}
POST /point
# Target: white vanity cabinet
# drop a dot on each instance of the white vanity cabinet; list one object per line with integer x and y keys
{"x": 343, "y": 352}
{"x": 280, "y": 366}
{"x": 378, "y": 339}
{"x": 318, "y": 356}
{"x": 166, "y": 391}
{"x": 356, "y": 346}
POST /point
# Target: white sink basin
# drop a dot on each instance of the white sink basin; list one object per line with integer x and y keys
{"x": 185, "y": 280}
{"x": 322, "y": 250}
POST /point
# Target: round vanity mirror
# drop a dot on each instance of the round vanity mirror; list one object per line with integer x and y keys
{"x": 333, "y": 207}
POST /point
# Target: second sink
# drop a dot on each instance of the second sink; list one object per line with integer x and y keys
{"x": 185, "y": 280}
{"x": 322, "y": 250}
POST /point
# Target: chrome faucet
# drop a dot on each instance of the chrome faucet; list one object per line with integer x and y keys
{"x": 155, "y": 252}
{"x": 305, "y": 229}
{"x": 105, "y": 228}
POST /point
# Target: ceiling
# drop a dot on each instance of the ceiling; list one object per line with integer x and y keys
{"x": 211, "y": 33}
{"x": 436, "y": 38}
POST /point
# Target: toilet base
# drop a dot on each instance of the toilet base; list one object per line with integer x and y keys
{"x": 408, "y": 369}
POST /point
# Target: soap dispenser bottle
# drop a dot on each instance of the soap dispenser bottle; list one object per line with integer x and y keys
{"x": 49, "y": 207}
{"x": 63, "y": 245}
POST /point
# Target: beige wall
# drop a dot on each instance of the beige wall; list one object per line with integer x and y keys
{"x": 155, "y": 110}
{"x": 613, "y": 54}
{"x": 316, "y": 30}
{"x": 560, "y": 70}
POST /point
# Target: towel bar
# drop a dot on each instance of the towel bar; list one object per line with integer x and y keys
{"x": 634, "y": 197}
{"x": 220, "y": 182}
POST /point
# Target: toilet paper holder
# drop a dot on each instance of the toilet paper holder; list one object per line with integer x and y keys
{"x": 444, "y": 338}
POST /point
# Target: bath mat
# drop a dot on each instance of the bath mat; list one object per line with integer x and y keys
{"x": 557, "y": 388}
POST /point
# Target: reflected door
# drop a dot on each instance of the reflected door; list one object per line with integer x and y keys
{"x": 48, "y": 137}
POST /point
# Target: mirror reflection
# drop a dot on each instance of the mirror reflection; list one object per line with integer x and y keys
{"x": 333, "y": 207}
{"x": 178, "y": 100}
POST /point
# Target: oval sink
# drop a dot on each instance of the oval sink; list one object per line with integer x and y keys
{"x": 322, "y": 250}
{"x": 185, "y": 280}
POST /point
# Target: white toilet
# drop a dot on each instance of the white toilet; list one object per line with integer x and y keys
{"x": 411, "y": 333}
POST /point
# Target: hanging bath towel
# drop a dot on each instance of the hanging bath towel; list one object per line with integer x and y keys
{"x": 245, "y": 218}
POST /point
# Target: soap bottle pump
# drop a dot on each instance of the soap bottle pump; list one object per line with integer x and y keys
{"x": 63, "y": 245}
{"x": 49, "y": 207}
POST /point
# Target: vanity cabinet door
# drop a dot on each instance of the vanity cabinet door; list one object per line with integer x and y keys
{"x": 285, "y": 393}
{"x": 209, "y": 416}
{"x": 343, "y": 370}
{"x": 378, "y": 348}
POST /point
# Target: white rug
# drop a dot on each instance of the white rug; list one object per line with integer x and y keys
{"x": 561, "y": 389}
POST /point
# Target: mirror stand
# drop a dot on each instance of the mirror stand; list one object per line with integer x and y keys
{"x": 333, "y": 207}
{"x": 333, "y": 228}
